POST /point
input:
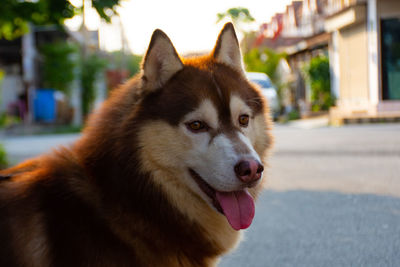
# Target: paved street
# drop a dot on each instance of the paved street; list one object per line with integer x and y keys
{"x": 332, "y": 198}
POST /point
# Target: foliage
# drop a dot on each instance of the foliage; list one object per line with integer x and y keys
{"x": 105, "y": 8}
{"x": 319, "y": 77}
{"x": 59, "y": 65}
{"x": 265, "y": 61}
{"x": 3, "y": 157}
{"x": 58, "y": 129}
{"x": 134, "y": 62}
{"x": 237, "y": 15}
{"x": 91, "y": 68}
{"x": 293, "y": 115}
{"x": 131, "y": 62}
{"x": 16, "y": 14}
{"x": 7, "y": 120}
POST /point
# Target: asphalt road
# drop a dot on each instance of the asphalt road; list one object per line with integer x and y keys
{"x": 332, "y": 197}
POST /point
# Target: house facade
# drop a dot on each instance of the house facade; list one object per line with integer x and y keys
{"x": 22, "y": 63}
{"x": 361, "y": 39}
{"x": 365, "y": 59}
{"x": 301, "y": 36}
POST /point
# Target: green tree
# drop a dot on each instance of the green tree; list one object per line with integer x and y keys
{"x": 91, "y": 68}
{"x": 121, "y": 60}
{"x": 134, "y": 62}
{"x": 16, "y": 14}
{"x": 267, "y": 60}
{"x": 318, "y": 75}
{"x": 59, "y": 65}
{"x": 264, "y": 60}
{"x": 239, "y": 16}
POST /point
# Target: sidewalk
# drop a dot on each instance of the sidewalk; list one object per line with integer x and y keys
{"x": 310, "y": 123}
{"x": 20, "y": 148}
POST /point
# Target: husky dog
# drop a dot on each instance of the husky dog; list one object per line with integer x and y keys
{"x": 165, "y": 173}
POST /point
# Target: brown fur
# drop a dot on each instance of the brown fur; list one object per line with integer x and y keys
{"x": 108, "y": 200}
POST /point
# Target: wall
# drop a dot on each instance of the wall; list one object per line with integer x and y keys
{"x": 388, "y": 8}
{"x": 353, "y": 65}
{"x": 11, "y": 87}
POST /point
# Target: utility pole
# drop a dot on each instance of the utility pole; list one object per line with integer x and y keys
{"x": 29, "y": 69}
{"x": 76, "y": 97}
{"x": 123, "y": 44}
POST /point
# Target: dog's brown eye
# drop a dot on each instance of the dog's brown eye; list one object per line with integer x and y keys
{"x": 197, "y": 126}
{"x": 244, "y": 120}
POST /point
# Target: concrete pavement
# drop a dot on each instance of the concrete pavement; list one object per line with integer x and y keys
{"x": 20, "y": 148}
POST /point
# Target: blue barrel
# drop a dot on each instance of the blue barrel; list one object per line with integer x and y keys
{"x": 45, "y": 106}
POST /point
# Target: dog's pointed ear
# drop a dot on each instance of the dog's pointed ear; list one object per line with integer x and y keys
{"x": 227, "y": 48}
{"x": 161, "y": 61}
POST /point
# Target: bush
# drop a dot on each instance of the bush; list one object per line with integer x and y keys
{"x": 8, "y": 120}
{"x": 293, "y": 115}
{"x": 3, "y": 157}
{"x": 319, "y": 78}
{"x": 131, "y": 62}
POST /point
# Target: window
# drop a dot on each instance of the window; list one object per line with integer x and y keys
{"x": 390, "y": 29}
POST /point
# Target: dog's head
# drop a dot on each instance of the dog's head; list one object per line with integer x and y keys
{"x": 205, "y": 125}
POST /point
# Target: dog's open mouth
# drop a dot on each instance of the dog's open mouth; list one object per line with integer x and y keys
{"x": 237, "y": 206}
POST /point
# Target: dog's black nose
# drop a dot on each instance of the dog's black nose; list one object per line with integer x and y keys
{"x": 248, "y": 170}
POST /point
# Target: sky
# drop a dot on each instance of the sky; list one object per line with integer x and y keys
{"x": 191, "y": 25}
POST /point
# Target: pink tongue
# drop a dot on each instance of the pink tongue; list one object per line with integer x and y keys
{"x": 238, "y": 208}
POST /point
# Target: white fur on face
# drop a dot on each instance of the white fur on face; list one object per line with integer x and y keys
{"x": 215, "y": 163}
{"x": 252, "y": 154}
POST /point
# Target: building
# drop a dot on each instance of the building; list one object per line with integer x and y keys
{"x": 361, "y": 39}
{"x": 19, "y": 61}
{"x": 364, "y": 54}
{"x": 22, "y": 62}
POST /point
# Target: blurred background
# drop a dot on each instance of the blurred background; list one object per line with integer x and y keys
{"x": 330, "y": 70}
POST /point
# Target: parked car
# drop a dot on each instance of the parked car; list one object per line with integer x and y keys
{"x": 268, "y": 89}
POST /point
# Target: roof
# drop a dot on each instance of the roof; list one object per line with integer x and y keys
{"x": 310, "y": 43}
{"x": 280, "y": 42}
